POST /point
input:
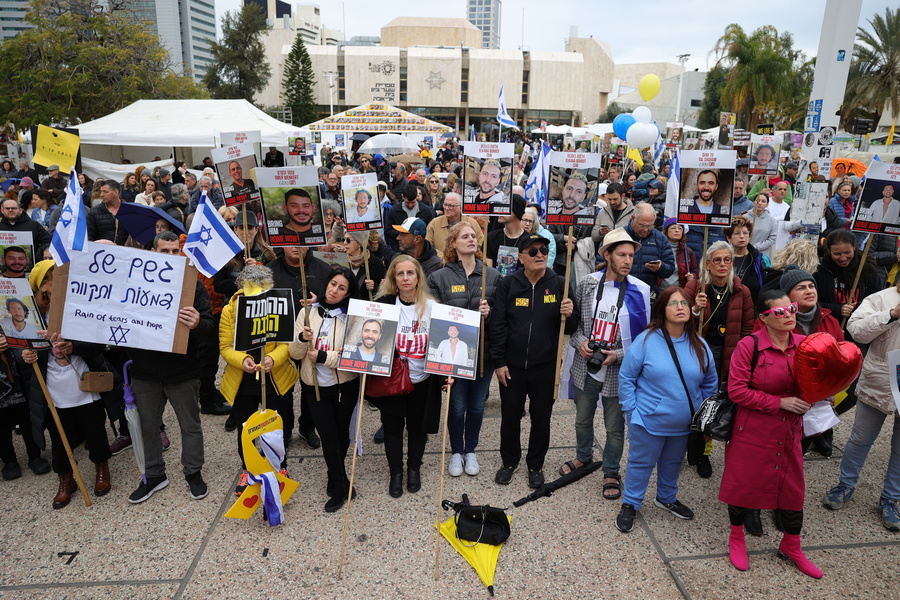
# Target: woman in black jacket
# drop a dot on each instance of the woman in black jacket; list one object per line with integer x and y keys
{"x": 836, "y": 272}
{"x": 350, "y": 244}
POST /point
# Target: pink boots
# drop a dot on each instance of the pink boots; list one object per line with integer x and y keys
{"x": 737, "y": 548}
{"x": 790, "y": 549}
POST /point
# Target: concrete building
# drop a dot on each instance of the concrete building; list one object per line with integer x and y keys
{"x": 12, "y": 13}
{"x": 406, "y": 32}
{"x": 186, "y": 28}
{"x": 485, "y": 15}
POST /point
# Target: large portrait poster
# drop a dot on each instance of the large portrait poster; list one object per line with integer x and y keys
{"x": 20, "y": 319}
{"x": 453, "y": 341}
{"x": 291, "y": 205}
{"x": 263, "y": 318}
{"x": 764, "y": 153}
{"x": 487, "y": 178}
{"x": 809, "y": 208}
{"x": 572, "y": 194}
{"x": 123, "y": 297}
{"x": 727, "y": 121}
{"x": 675, "y": 135}
{"x": 17, "y": 252}
{"x": 707, "y": 187}
{"x": 369, "y": 337}
{"x": 234, "y": 166}
{"x": 360, "y": 198}
{"x": 878, "y": 207}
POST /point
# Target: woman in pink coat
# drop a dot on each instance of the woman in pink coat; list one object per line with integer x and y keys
{"x": 763, "y": 460}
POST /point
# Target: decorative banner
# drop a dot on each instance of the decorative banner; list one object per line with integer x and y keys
{"x": 232, "y": 164}
{"x": 369, "y": 337}
{"x": 572, "y": 194}
{"x": 291, "y": 205}
{"x": 360, "y": 199}
{"x": 707, "y": 187}
{"x": 263, "y": 318}
{"x": 487, "y": 178}
{"x": 455, "y": 353}
{"x": 119, "y": 296}
{"x": 335, "y": 259}
{"x": 55, "y": 147}
{"x": 727, "y": 122}
{"x": 764, "y": 152}
{"x": 878, "y": 206}
{"x": 18, "y": 253}
{"x": 674, "y": 135}
{"x": 20, "y": 319}
{"x": 236, "y": 138}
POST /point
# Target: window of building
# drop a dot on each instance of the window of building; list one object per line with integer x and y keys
{"x": 696, "y": 103}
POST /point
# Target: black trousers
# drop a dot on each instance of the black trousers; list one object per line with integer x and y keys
{"x": 209, "y": 366}
{"x": 90, "y": 420}
{"x": 248, "y": 400}
{"x": 537, "y": 384}
{"x": 304, "y": 422}
{"x": 10, "y": 416}
{"x": 406, "y": 411}
{"x": 331, "y": 416}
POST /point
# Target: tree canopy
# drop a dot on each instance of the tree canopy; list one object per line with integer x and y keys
{"x": 82, "y": 60}
{"x": 298, "y": 82}
{"x": 239, "y": 68}
{"x": 874, "y": 81}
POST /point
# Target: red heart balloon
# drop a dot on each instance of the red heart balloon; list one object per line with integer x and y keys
{"x": 825, "y": 366}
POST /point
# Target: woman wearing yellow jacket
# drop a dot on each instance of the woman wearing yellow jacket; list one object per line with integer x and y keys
{"x": 240, "y": 385}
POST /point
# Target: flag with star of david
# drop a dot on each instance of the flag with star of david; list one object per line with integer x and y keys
{"x": 210, "y": 243}
{"x": 70, "y": 234}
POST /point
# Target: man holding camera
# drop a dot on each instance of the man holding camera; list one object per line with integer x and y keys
{"x": 615, "y": 308}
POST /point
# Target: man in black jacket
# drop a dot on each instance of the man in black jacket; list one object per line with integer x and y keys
{"x": 524, "y": 333}
{"x": 15, "y": 219}
{"x": 101, "y": 219}
{"x": 401, "y": 211}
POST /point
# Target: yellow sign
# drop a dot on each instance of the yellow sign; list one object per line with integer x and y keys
{"x": 56, "y": 147}
{"x": 259, "y": 423}
{"x": 550, "y": 299}
{"x": 455, "y": 289}
{"x": 522, "y": 302}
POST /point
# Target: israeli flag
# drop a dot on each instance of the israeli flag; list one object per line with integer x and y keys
{"x": 673, "y": 188}
{"x": 70, "y": 234}
{"x": 537, "y": 179}
{"x": 502, "y": 116}
{"x": 210, "y": 243}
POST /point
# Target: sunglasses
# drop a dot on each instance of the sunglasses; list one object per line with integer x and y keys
{"x": 780, "y": 312}
{"x": 533, "y": 251}
{"x": 347, "y": 240}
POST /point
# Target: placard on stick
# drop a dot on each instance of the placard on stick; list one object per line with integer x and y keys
{"x": 764, "y": 153}
{"x": 878, "y": 207}
{"x": 359, "y": 194}
{"x": 369, "y": 337}
{"x": 234, "y": 165}
{"x": 291, "y": 206}
{"x": 707, "y": 187}
{"x": 20, "y": 318}
{"x": 487, "y": 178}
{"x": 263, "y": 318}
{"x": 17, "y": 250}
{"x": 573, "y": 188}
{"x": 453, "y": 341}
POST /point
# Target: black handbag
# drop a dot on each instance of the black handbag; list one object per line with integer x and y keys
{"x": 715, "y": 417}
{"x": 479, "y": 524}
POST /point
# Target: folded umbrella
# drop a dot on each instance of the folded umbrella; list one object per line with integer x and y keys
{"x": 134, "y": 423}
{"x": 140, "y": 221}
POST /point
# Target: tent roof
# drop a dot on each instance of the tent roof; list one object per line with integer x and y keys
{"x": 377, "y": 117}
{"x": 182, "y": 123}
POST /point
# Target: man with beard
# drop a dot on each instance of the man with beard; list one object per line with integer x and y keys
{"x": 16, "y": 262}
{"x": 370, "y": 335}
{"x": 299, "y": 209}
{"x": 573, "y": 194}
{"x": 489, "y": 183}
{"x": 16, "y": 324}
{"x": 707, "y": 184}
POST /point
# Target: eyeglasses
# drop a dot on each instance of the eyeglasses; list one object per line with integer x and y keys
{"x": 721, "y": 260}
{"x": 533, "y": 251}
{"x": 527, "y": 220}
{"x": 779, "y": 312}
{"x": 674, "y": 303}
{"x": 451, "y": 205}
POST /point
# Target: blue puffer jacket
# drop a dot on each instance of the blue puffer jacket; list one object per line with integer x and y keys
{"x": 653, "y": 247}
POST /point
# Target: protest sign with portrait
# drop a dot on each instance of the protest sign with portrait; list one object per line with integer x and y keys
{"x": 360, "y": 198}
{"x": 369, "y": 337}
{"x": 293, "y": 212}
{"x": 572, "y": 191}
{"x": 234, "y": 166}
{"x": 20, "y": 318}
{"x": 727, "y": 121}
{"x": 707, "y": 187}
{"x": 878, "y": 206}
{"x": 17, "y": 252}
{"x": 764, "y": 152}
{"x": 487, "y": 178}
{"x": 263, "y": 318}
{"x": 675, "y": 135}
{"x": 453, "y": 341}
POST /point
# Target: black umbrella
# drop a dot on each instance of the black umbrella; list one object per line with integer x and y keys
{"x": 448, "y": 134}
{"x": 360, "y": 137}
{"x": 547, "y": 489}
{"x": 140, "y": 221}
{"x": 742, "y": 162}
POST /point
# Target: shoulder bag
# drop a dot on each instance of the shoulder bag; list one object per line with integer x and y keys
{"x": 715, "y": 417}
{"x": 395, "y": 384}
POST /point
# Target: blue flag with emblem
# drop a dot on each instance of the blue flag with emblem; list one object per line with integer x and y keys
{"x": 210, "y": 243}
{"x": 70, "y": 234}
{"x": 502, "y": 116}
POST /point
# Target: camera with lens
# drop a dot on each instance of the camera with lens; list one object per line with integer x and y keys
{"x": 595, "y": 363}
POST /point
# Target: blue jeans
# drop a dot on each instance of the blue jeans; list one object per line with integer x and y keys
{"x": 585, "y": 408}
{"x": 646, "y": 451}
{"x": 866, "y": 428}
{"x": 467, "y": 398}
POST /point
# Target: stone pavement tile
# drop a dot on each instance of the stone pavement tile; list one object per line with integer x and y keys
{"x": 144, "y": 591}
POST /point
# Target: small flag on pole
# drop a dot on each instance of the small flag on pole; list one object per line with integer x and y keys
{"x": 210, "y": 243}
{"x": 502, "y": 116}
{"x": 70, "y": 234}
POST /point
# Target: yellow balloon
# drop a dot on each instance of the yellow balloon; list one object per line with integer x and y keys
{"x": 649, "y": 87}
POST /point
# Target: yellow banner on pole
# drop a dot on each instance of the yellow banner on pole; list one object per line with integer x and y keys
{"x": 56, "y": 147}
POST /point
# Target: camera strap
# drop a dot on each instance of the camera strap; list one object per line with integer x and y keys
{"x": 599, "y": 296}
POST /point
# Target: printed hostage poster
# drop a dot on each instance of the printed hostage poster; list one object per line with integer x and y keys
{"x": 20, "y": 319}
{"x": 487, "y": 178}
{"x": 727, "y": 121}
{"x": 572, "y": 194}
{"x": 301, "y": 149}
{"x": 263, "y": 318}
{"x": 707, "y": 187}
{"x": 293, "y": 212}
{"x": 17, "y": 252}
{"x": 453, "y": 341}
{"x": 764, "y": 152}
{"x": 809, "y": 208}
{"x": 123, "y": 297}
{"x": 236, "y": 138}
{"x": 369, "y": 337}
{"x": 360, "y": 198}
{"x": 234, "y": 165}
{"x": 878, "y": 207}
{"x": 675, "y": 135}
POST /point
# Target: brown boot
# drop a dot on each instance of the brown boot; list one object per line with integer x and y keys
{"x": 67, "y": 486}
{"x": 102, "y": 485}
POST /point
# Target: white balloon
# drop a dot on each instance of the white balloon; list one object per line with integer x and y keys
{"x": 641, "y": 135}
{"x": 642, "y": 114}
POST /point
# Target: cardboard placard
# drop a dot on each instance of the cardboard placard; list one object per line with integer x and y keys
{"x": 370, "y": 337}
{"x": 293, "y": 211}
{"x": 764, "y": 153}
{"x": 877, "y": 207}
{"x": 263, "y": 318}
{"x": 487, "y": 178}
{"x": 359, "y": 194}
{"x": 20, "y": 319}
{"x": 236, "y": 138}
{"x": 17, "y": 252}
{"x": 453, "y": 341}
{"x": 707, "y": 187}
{"x": 573, "y": 188}
{"x": 234, "y": 167}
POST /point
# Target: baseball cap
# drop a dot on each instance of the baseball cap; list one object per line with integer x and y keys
{"x": 658, "y": 185}
{"x": 412, "y": 225}
{"x": 526, "y": 240}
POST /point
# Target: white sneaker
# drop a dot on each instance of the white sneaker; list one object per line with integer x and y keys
{"x": 472, "y": 467}
{"x": 455, "y": 468}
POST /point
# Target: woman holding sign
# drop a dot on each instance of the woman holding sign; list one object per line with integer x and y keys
{"x": 350, "y": 244}
{"x": 318, "y": 347}
{"x": 405, "y": 286}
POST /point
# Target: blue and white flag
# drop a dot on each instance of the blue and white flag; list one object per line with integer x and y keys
{"x": 472, "y": 133}
{"x": 70, "y": 234}
{"x": 656, "y": 150}
{"x": 210, "y": 243}
{"x": 537, "y": 179}
{"x": 673, "y": 188}
{"x": 502, "y": 116}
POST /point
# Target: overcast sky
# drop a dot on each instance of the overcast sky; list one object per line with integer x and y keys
{"x": 646, "y": 31}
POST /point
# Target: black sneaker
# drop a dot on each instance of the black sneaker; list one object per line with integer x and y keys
{"x": 704, "y": 467}
{"x": 145, "y": 490}
{"x": 625, "y": 520}
{"x": 676, "y": 508}
{"x": 535, "y": 478}
{"x": 504, "y": 475}
{"x": 231, "y": 422}
{"x": 312, "y": 440}
{"x": 39, "y": 465}
{"x": 378, "y": 438}
{"x": 12, "y": 470}
{"x": 197, "y": 485}
{"x": 216, "y": 408}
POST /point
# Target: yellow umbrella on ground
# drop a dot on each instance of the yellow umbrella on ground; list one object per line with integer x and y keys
{"x": 482, "y": 557}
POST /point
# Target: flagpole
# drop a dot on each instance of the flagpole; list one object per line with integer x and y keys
{"x": 362, "y": 391}
{"x": 437, "y": 543}
{"x": 562, "y": 322}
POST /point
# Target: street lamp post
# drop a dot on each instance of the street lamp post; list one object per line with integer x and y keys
{"x": 682, "y": 58}
{"x": 330, "y": 76}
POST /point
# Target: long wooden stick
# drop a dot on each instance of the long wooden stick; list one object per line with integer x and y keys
{"x": 262, "y": 372}
{"x": 246, "y": 243}
{"x": 437, "y": 544}
{"x": 306, "y": 317}
{"x": 481, "y": 348}
{"x": 562, "y": 323}
{"x": 366, "y": 255}
{"x": 62, "y": 434}
{"x": 355, "y": 446}
{"x": 862, "y": 263}
{"x": 702, "y": 267}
